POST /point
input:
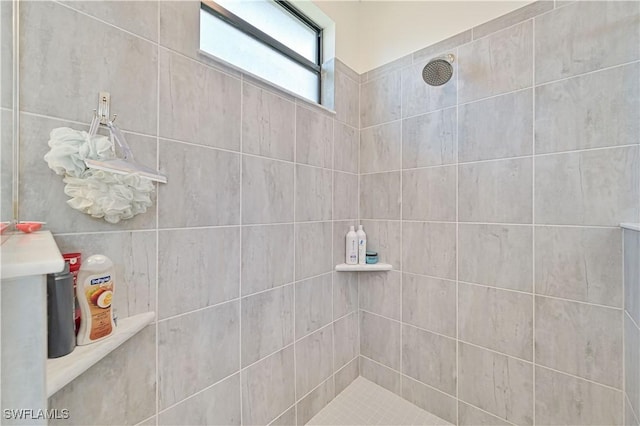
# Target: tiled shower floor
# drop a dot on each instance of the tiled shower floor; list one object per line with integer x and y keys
{"x": 365, "y": 403}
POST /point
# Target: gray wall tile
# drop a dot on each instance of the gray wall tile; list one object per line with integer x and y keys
{"x": 311, "y": 404}
{"x": 388, "y": 67}
{"x": 288, "y": 418}
{"x": 579, "y": 263}
{"x": 381, "y": 148}
{"x": 313, "y": 304}
{"x": 429, "y": 139}
{"x": 591, "y": 111}
{"x": 594, "y": 35}
{"x": 629, "y": 416}
{"x": 522, "y": 14}
{"x": 588, "y": 188}
{"x": 381, "y": 375}
{"x": 380, "y": 100}
{"x": 346, "y": 375}
{"x": 198, "y": 104}
{"x": 267, "y": 323}
{"x": 313, "y": 249}
{"x": 56, "y": 33}
{"x": 380, "y": 340}
{"x": 129, "y": 372}
{"x": 429, "y": 399}
{"x": 347, "y": 99}
{"x": 429, "y": 303}
{"x": 632, "y": 274}
{"x": 346, "y": 345}
{"x": 345, "y": 196}
{"x": 438, "y": 372}
{"x": 496, "y": 191}
{"x": 313, "y": 193}
{"x": 218, "y": 405}
{"x": 267, "y": 257}
{"x": 268, "y": 126}
{"x": 6, "y": 143}
{"x": 381, "y": 293}
{"x": 213, "y": 338}
{"x": 267, "y": 191}
{"x": 471, "y": 416}
{"x": 632, "y": 363}
{"x": 134, "y": 258}
{"x": 314, "y": 137}
{"x": 268, "y": 388}
{"x": 6, "y": 56}
{"x": 314, "y": 360}
{"x": 383, "y": 237}
{"x": 138, "y": 17}
{"x": 380, "y": 196}
{"x": 346, "y": 149}
{"x": 418, "y": 97}
{"x": 204, "y": 179}
{"x": 583, "y": 340}
{"x": 496, "y": 255}
{"x": 429, "y": 249}
{"x": 499, "y": 63}
{"x": 566, "y": 400}
{"x": 496, "y": 319}
{"x": 498, "y": 127}
{"x": 176, "y": 20}
{"x": 197, "y": 268}
{"x": 429, "y": 194}
{"x": 345, "y": 293}
{"x": 442, "y": 46}
{"x": 482, "y": 373}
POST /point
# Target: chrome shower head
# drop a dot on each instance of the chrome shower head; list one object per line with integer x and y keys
{"x": 438, "y": 71}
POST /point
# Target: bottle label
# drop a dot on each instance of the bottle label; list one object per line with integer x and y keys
{"x": 99, "y": 293}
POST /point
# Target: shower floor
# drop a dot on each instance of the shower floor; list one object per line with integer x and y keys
{"x": 365, "y": 403}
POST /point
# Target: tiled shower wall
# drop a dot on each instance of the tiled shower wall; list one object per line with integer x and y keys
{"x": 631, "y": 327}
{"x": 236, "y": 254}
{"x": 497, "y": 198}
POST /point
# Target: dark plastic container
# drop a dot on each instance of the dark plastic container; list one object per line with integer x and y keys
{"x": 61, "y": 336}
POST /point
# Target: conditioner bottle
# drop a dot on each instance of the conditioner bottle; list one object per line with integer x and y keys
{"x": 362, "y": 246}
{"x": 352, "y": 247}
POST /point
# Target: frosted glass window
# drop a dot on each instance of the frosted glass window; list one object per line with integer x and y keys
{"x": 292, "y": 61}
{"x": 278, "y": 23}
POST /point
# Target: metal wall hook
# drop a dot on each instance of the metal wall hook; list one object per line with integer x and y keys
{"x": 104, "y": 103}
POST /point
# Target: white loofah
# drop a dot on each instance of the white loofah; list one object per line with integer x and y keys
{"x": 97, "y": 193}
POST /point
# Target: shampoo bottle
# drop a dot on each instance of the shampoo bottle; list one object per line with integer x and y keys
{"x": 362, "y": 246}
{"x": 352, "y": 247}
{"x": 95, "y": 292}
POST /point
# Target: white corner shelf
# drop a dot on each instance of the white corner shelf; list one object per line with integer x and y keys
{"x": 375, "y": 267}
{"x": 61, "y": 371}
{"x": 631, "y": 226}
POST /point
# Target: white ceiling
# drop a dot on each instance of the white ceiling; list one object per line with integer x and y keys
{"x": 371, "y": 33}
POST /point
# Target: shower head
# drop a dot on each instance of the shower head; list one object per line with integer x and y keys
{"x": 438, "y": 71}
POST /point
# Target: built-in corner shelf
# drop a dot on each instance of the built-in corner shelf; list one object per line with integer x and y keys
{"x": 375, "y": 267}
{"x": 631, "y": 226}
{"x": 61, "y": 371}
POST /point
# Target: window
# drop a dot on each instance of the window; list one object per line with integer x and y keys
{"x": 271, "y": 39}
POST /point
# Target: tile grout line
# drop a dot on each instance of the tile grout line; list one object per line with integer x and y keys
{"x": 157, "y": 229}
{"x": 458, "y": 242}
{"x": 242, "y": 83}
{"x": 533, "y": 219}
{"x": 401, "y": 228}
{"x": 295, "y": 256}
